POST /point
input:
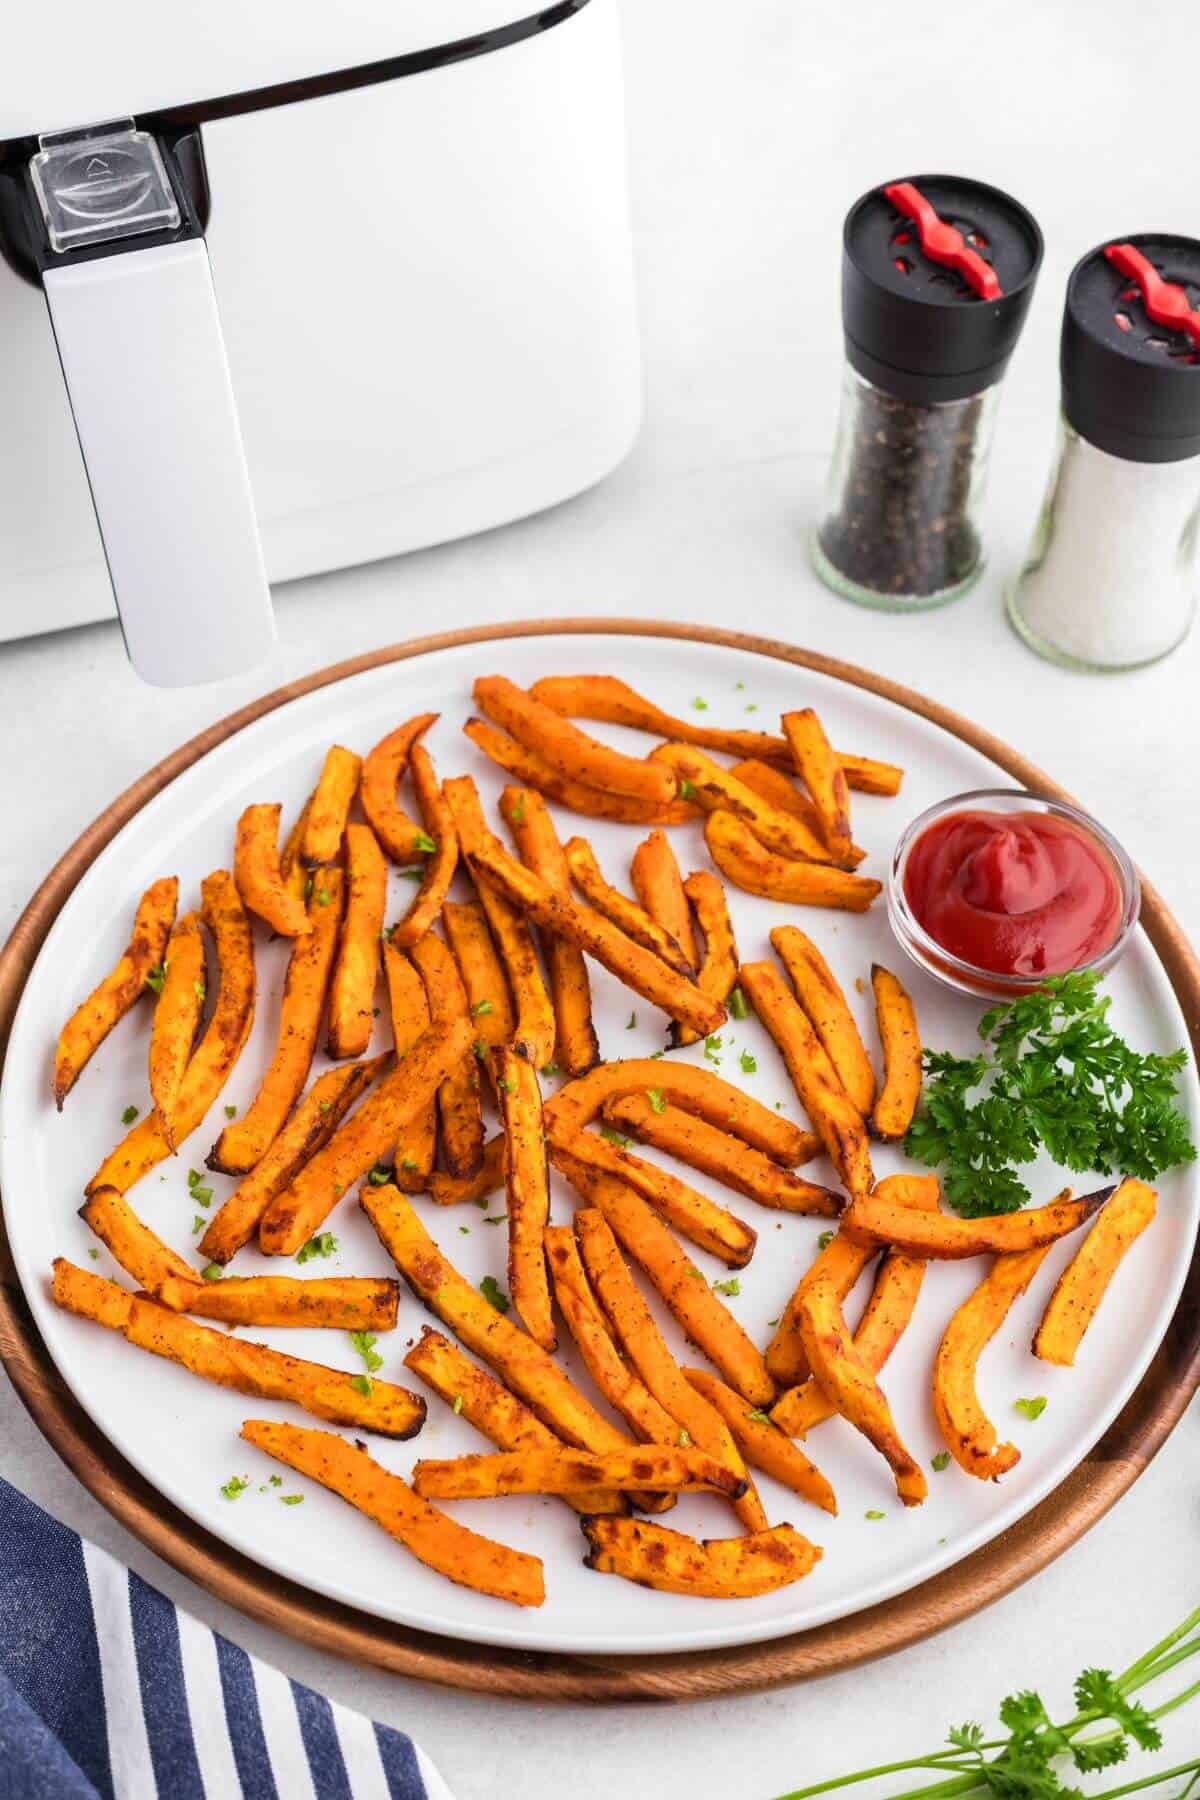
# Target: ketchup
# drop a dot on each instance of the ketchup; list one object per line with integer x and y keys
{"x": 1014, "y": 893}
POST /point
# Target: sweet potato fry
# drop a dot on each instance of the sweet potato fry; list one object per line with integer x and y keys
{"x": 714, "y": 1569}
{"x": 243, "y": 1144}
{"x": 533, "y": 771}
{"x": 311, "y": 1126}
{"x": 523, "y": 1365}
{"x": 356, "y": 967}
{"x": 453, "y": 1190}
{"x": 885, "y": 1317}
{"x": 482, "y": 972}
{"x": 966, "y": 1430}
{"x": 869, "y": 776}
{"x": 704, "y": 1317}
{"x": 436, "y": 1540}
{"x": 775, "y": 786}
{"x": 125, "y": 984}
{"x": 624, "y": 913}
{"x": 408, "y": 1003}
{"x": 1084, "y": 1282}
{"x": 696, "y": 1090}
{"x": 719, "y": 964}
{"x": 643, "y": 1343}
{"x": 850, "y": 1383}
{"x": 329, "y": 807}
{"x": 233, "y": 1363}
{"x": 717, "y": 790}
{"x": 873, "y": 1220}
{"x": 441, "y": 861}
{"x": 703, "y": 1146}
{"x": 901, "y": 1040}
{"x": 382, "y": 771}
{"x": 576, "y": 1046}
{"x": 259, "y": 876}
{"x": 177, "y": 1014}
{"x": 818, "y": 768}
{"x": 137, "y": 1249}
{"x": 496, "y": 1414}
{"x": 145, "y": 1144}
{"x": 739, "y": 856}
{"x": 527, "y": 1185}
{"x": 692, "y": 1214}
{"x": 763, "y": 1445}
{"x": 838, "y": 1121}
{"x": 564, "y": 1471}
{"x": 294, "y": 1215}
{"x": 460, "y": 1110}
{"x": 571, "y": 751}
{"x": 649, "y": 1421}
{"x": 829, "y": 1014}
{"x": 658, "y": 884}
{"x": 840, "y": 1263}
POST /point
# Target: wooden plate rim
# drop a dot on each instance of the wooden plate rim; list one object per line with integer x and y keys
{"x": 1043, "y": 1534}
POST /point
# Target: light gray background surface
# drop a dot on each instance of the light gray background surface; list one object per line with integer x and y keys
{"x": 751, "y": 129}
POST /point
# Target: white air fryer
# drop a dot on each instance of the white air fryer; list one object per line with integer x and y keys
{"x": 292, "y": 284}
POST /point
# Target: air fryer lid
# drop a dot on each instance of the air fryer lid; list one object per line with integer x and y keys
{"x": 1131, "y": 347}
{"x": 920, "y": 309}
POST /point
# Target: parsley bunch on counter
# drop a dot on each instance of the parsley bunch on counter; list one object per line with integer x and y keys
{"x": 1053, "y": 1075}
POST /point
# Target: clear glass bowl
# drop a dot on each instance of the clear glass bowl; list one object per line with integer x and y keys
{"x": 966, "y": 977}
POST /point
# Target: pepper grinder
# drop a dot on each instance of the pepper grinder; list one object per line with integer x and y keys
{"x": 937, "y": 276}
{"x": 1110, "y": 581}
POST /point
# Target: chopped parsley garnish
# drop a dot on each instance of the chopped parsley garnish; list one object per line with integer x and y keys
{"x": 482, "y": 1007}
{"x": 201, "y": 1195}
{"x": 200, "y": 991}
{"x": 94, "y": 1253}
{"x": 361, "y": 1385}
{"x": 712, "y": 1045}
{"x": 874, "y": 1514}
{"x": 425, "y": 843}
{"x": 323, "y": 897}
{"x": 516, "y": 811}
{"x": 739, "y": 687}
{"x": 212, "y": 1272}
{"x": 324, "y": 1106}
{"x": 683, "y": 1440}
{"x": 657, "y": 1099}
{"x": 199, "y": 1222}
{"x": 130, "y": 1114}
{"x": 824, "y": 1241}
{"x": 413, "y": 875}
{"x": 464, "y": 1231}
{"x": 308, "y": 888}
{"x": 731, "y": 1288}
{"x": 614, "y": 1137}
{"x": 699, "y": 705}
{"x": 759, "y": 1416}
{"x": 687, "y": 790}
{"x": 237, "y": 1484}
{"x": 739, "y": 1006}
{"x": 940, "y": 1461}
{"x": 1032, "y": 1408}
{"x": 231, "y": 1112}
{"x": 480, "y": 1049}
{"x": 551, "y": 1069}
{"x": 156, "y": 978}
{"x": 631, "y": 1023}
{"x": 276, "y": 1480}
{"x": 748, "y": 1063}
{"x": 506, "y": 1084}
{"x": 458, "y": 1404}
{"x": 493, "y": 1293}
{"x": 324, "y": 1244}
{"x": 379, "y": 1176}
{"x": 291, "y": 1499}
{"x": 364, "y": 1342}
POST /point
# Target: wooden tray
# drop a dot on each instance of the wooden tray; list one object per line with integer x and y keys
{"x": 1092, "y": 1487}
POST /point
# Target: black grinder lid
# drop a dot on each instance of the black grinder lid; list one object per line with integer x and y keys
{"x": 1131, "y": 347}
{"x": 936, "y": 285}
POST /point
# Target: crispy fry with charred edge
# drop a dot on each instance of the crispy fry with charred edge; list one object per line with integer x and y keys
{"x": 634, "y": 1329}
{"x": 773, "y": 785}
{"x": 872, "y": 1220}
{"x": 638, "y": 968}
{"x": 698, "y": 1091}
{"x": 714, "y": 1152}
{"x": 966, "y": 1430}
{"x": 352, "y": 989}
{"x": 624, "y": 913}
{"x": 885, "y": 1317}
{"x": 719, "y": 964}
{"x": 1084, "y": 1282}
{"x": 408, "y": 1004}
{"x": 441, "y": 861}
{"x": 901, "y": 1040}
{"x": 259, "y": 876}
{"x": 850, "y": 1383}
{"x": 819, "y": 769}
{"x": 311, "y": 1126}
{"x": 527, "y": 1185}
{"x": 591, "y": 803}
{"x": 329, "y": 807}
{"x": 436, "y": 1540}
{"x": 460, "y": 1110}
{"x": 302, "y": 1208}
{"x": 717, "y": 790}
{"x": 869, "y": 776}
{"x": 743, "y": 860}
{"x": 763, "y": 1444}
{"x": 823, "y": 1000}
{"x": 840, "y": 1262}
{"x": 571, "y": 751}
{"x": 576, "y": 1046}
{"x": 713, "y": 1569}
{"x": 382, "y": 771}
{"x": 658, "y": 885}
{"x": 523, "y": 1365}
{"x": 838, "y": 1121}
{"x": 177, "y": 1013}
{"x": 145, "y": 1144}
{"x": 705, "y": 1319}
{"x": 453, "y": 1190}
{"x": 233, "y": 1363}
{"x": 496, "y": 1414}
{"x": 292, "y": 871}
{"x": 125, "y": 984}
{"x": 692, "y": 1214}
{"x": 243, "y": 1144}
{"x": 466, "y": 927}
{"x": 487, "y": 1476}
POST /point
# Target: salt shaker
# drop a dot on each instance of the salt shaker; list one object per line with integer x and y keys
{"x": 937, "y": 276}
{"x": 1110, "y": 581}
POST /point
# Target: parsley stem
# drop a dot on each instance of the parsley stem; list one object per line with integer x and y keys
{"x": 937, "y": 1760}
{"x": 1147, "y": 1781}
{"x": 1160, "y": 1649}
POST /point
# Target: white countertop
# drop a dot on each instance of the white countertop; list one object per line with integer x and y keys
{"x": 751, "y": 131}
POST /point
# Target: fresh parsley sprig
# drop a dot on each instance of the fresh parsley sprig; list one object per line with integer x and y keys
{"x": 1054, "y": 1075}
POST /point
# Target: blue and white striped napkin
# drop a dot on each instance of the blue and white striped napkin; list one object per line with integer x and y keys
{"x": 107, "y": 1689}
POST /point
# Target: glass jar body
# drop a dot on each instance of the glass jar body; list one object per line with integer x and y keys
{"x": 900, "y": 525}
{"x": 1110, "y": 581}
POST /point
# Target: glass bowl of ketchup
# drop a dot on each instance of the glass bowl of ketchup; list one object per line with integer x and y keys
{"x": 992, "y": 891}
